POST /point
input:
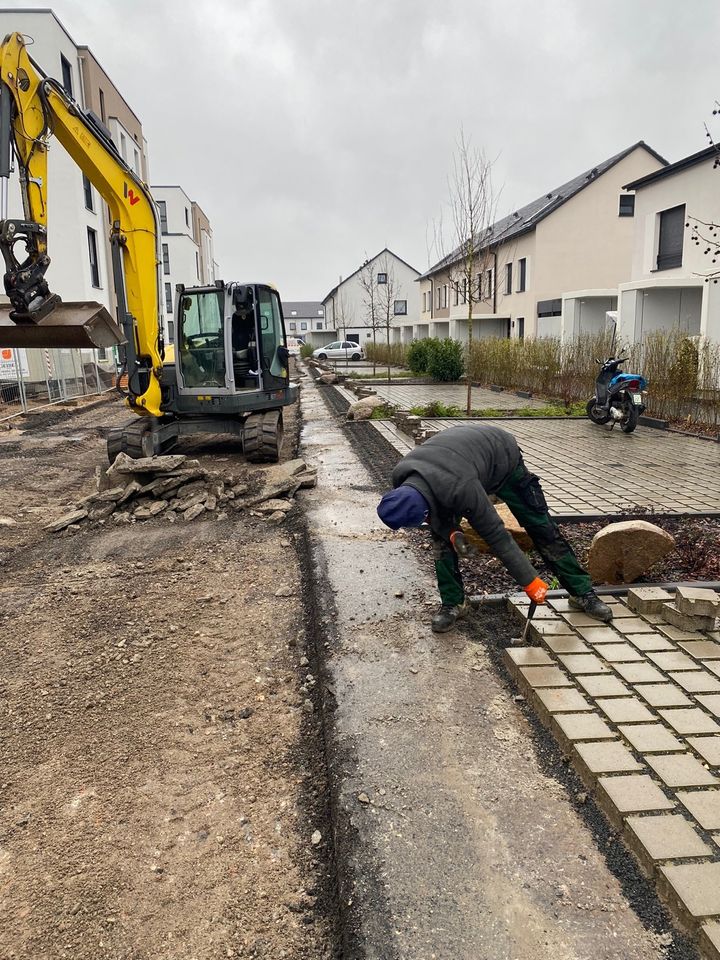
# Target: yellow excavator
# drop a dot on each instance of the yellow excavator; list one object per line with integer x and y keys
{"x": 229, "y": 371}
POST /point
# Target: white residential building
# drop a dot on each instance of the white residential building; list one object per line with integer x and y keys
{"x": 306, "y": 319}
{"x": 186, "y": 247}
{"x": 385, "y": 281}
{"x": 668, "y": 289}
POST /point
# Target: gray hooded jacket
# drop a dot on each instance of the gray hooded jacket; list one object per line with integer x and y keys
{"x": 455, "y": 471}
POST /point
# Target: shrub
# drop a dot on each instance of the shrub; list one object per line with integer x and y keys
{"x": 417, "y": 356}
{"x": 306, "y": 350}
{"x": 446, "y": 361}
{"x": 392, "y": 354}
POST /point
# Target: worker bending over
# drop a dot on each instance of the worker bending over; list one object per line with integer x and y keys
{"x": 452, "y": 476}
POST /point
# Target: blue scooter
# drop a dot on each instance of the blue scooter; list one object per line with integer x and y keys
{"x": 618, "y": 396}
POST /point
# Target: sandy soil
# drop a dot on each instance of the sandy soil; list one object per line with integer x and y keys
{"x": 161, "y": 768}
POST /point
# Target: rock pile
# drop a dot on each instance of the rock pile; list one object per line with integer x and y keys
{"x": 177, "y": 488}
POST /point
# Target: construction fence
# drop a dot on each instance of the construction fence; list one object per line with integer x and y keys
{"x": 31, "y": 379}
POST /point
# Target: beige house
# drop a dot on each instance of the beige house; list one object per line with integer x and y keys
{"x": 574, "y": 244}
{"x": 668, "y": 288}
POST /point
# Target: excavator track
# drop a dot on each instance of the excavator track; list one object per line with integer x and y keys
{"x": 263, "y": 437}
{"x": 135, "y": 439}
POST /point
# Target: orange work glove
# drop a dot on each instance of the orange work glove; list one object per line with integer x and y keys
{"x": 537, "y": 590}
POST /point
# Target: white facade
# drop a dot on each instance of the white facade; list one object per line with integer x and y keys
{"x": 670, "y": 292}
{"x": 69, "y": 220}
{"x": 184, "y": 259}
{"x": 347, "y": 307}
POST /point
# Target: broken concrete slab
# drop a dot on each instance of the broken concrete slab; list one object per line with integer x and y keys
{"x": 697, "y": 602}
{"x": 683, "y": 621}
{"x": 75, "y": 516}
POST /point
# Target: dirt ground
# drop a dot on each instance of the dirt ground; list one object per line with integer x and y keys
{"x": 161, "y": 766}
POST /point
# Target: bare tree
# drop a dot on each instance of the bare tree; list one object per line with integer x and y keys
{"x": 707, "y": 232}
{"x": 387, "y": 293}
{"x": 343, "y": 314}
{"x": 473, "y": 208}
{"x": 371, "y": 303}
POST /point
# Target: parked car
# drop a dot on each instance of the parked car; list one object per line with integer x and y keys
{"x": 340, "y": 350}
{"x": 293, "y": 345}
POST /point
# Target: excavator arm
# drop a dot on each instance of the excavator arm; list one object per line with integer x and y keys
{"x": 33, "y": 109}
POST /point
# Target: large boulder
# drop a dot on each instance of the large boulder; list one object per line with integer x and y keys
{"x": 623, "y": 552}
{"x": 362, "y": 409}
{"x": 518, "y": 533}
{"x": 327, "y": 378}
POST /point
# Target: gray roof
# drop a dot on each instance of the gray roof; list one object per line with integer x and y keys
{"x": 676, "y": 167}
{"x": 304, "y": 309}
{"x": 370, "y": 260}
{"x": 527, "y": 218}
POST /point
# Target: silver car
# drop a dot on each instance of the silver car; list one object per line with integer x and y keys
{"x": 340, "y": 350}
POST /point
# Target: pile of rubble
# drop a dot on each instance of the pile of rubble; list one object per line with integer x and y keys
{"x": 689, "y": 608}
{"x": 175, "y": 488}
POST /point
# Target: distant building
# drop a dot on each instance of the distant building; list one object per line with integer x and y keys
{"x": 667, "y": 289}
{"x": 384, "y": 282}
{"x": 186, "y": 247}
{"x": 305, "y": 319}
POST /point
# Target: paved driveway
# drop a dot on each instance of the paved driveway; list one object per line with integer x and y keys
{"x": 588, "y": 470}
{"x": 407, "y": 396}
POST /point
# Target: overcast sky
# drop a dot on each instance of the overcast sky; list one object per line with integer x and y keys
{"x": 313, "y": 132}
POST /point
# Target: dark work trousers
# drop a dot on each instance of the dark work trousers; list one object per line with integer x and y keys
{"x": 523, "y": 495}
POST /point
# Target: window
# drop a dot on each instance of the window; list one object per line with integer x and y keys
{"x": 464, "y": 295}
{"x": 66, "y": 74}
{"x": 445, "y": 295}
{"x": 479, "y": 287}
{"x": 187, "y": 217}
{"x": 102, "y": 106}
{"x": 93, "y": 251}
{"x": 303, "y": 325}
{"x": 293, "y": 326}
{"x": 168, "y": 298}
{"x": 627, "y": 205}
{"x": 171, "y": 331}
{"x": 382, "y": 278}
{"x": 670, "y": 243}
{"x": 456, "y": 291}
{"x": 197, "y": 264}
{"x": 162, "y": 207}
{"x": 136, "y": 165}
{"x": 549, "y": 308}
{"x": 489, "y": 284}
{"x": 508, "y": 279}
{"x": 88, "y": 191}
{"x": 166, "y": 259}
{"x": 521, "y": 328}
{"x": 123, "y": 146}
{"x": 318, "y": 324}
{"x": 400, "y": 308}
{"x": 522, "y": 274}
{"x": 438, "y": 297}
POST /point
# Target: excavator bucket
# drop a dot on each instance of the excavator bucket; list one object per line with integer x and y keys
{"x": 67, "y": 325}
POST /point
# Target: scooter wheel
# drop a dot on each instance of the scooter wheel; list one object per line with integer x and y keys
{"x": 595, "y": 413}
{"x": 631, "y": 420}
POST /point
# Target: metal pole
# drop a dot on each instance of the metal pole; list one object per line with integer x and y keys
{"x": 21, "y": 382}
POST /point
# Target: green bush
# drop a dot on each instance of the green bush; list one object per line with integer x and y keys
{"x": 417, "y": 356}
{"x": 445, "y": 360}
{"x": 306, "y": 350}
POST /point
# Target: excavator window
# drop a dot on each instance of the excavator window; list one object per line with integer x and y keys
{"x": 271, "y": 331}
{"x": 202, "y": 339}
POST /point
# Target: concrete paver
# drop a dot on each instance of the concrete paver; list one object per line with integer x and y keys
{"x": 583, "y": 726}
{"x": 633, "y": 793}
{"x": 545, "y": 677}
{"x": 704, "y": 805}
{"x": 650, "y": 641}
{"x": 650, "y": 738}
{"x": 639, "y": 672}
{"x": 607, "y": 757}
{"x": 696, "y": 681}
{"x": 620, "y": 653}
{"x": 663, "y": 695}
{"x": 666, "y": 837}
{"x": 697, "y": 886}
{"x": 690, "y": 720}
{"x": 603, "y": 686}
{"x": 581, "y": 663}
{"x": 711, "y": 702}
{"x": 625, "y": 710}
{"x": 566, "y": 644}
{"x": 701, "y": 649}
{"x": 708, "y": 748}
{"x": 682, "y": 770}
{"x": 674, "y": 661}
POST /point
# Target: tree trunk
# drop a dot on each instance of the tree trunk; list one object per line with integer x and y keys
{"x": 468, "y": 409}
{"x": 374, "y": 352}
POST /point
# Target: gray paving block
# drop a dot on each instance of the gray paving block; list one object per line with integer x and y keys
{"x": 667, "y": 836}
{"x": 701, "y": 649}
{"x": 620, "y": 652}
{"x": 562, "y": 701}
{"x": 689, "y": 720}
{"x": 639, "y": 672}
{"x": 607, "y": 757}
{"x": 582, "y": 726}
{"x": 663, "y": 695}
{"x": 704, "y": 805}
{"x": 651, "y": 738}
{"x": 710, "y": 939}
{"x": 566, "y": 645}
{"x": 711, "y": 702}
{"x": 685, "y": 621}
{"x": 595, "y": 635}
{"x": 696, "y": 601}
{"x": 548, "y": 628}
{"x": 529, "y": 657}
{"x": 631, "y": 793}
{"x": 696, "y": 681}
{"x": 582, "y": 663}
{"x": 696, "y": 886}
{"x": 579, "y": 619}
{"x": 673, "y": 660}
{"x": 634, "y": 625}
{"x": 651, "y": 641}
{"x": 625, "y": 710}
{"x": 603, "y": 686}
{"x": 675, "y": 634}
{"x": 647, "y": 599}
{"x": 681, "y": 770}
{"x": 545, "y": 677}
{"x": 708, "y": 748}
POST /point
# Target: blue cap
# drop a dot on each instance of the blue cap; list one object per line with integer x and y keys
{"x": 403, "y": 507}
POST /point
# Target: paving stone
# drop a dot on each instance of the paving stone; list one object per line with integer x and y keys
{"x": 548, "y": 628}
{"x": 566, "y": 645}
{"x": 681, "y": 770}
{"x": 529, "y": 657}
{"x": 651, "y": 738}
{"x": 608, "y": 757}
{"x": 578, "y": 619}
{"x": 708, "y": 748}
{"x": 663, "y": 695}
{"x": 696, "y": 681}
{"x": 633, "y": 625}
{"x": 713, "y": 666}
{"x": 625, "y": 710}
{"x": 651, "y": 641}
{"x": 701, "y": 649}
{"x": 696, "y": 601}
{"x": 704, "y": 805}
{"x": 639, "y": 672}
{"x": 684, "y": 621}
{"x": 633, "y": 793}
{"x": 578, "y": 663}
{"x": 710, "y": 939}
{"x": 674, "y": 661}
{"x": 675, "y": 634}
{"x": 620, "y": 653}
{"x": 545, "y": 677}
{"x": 647, "y": 599}
{"x": 711, "y": 702}
{"x": 696, "y": 885}
{"x": 692, "y": 720}
{"x": 583, "y": 726}
{"x": 562, "y": 701}
{"x": 603, "y": 686}
{"x": 668, "y": 836}
{"x": 598, "y": 634}
{"x": 654, "y": 618}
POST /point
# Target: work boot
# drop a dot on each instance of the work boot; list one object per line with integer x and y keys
{"x": 591, "y": 604}
{"x": 446, "y": 616}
